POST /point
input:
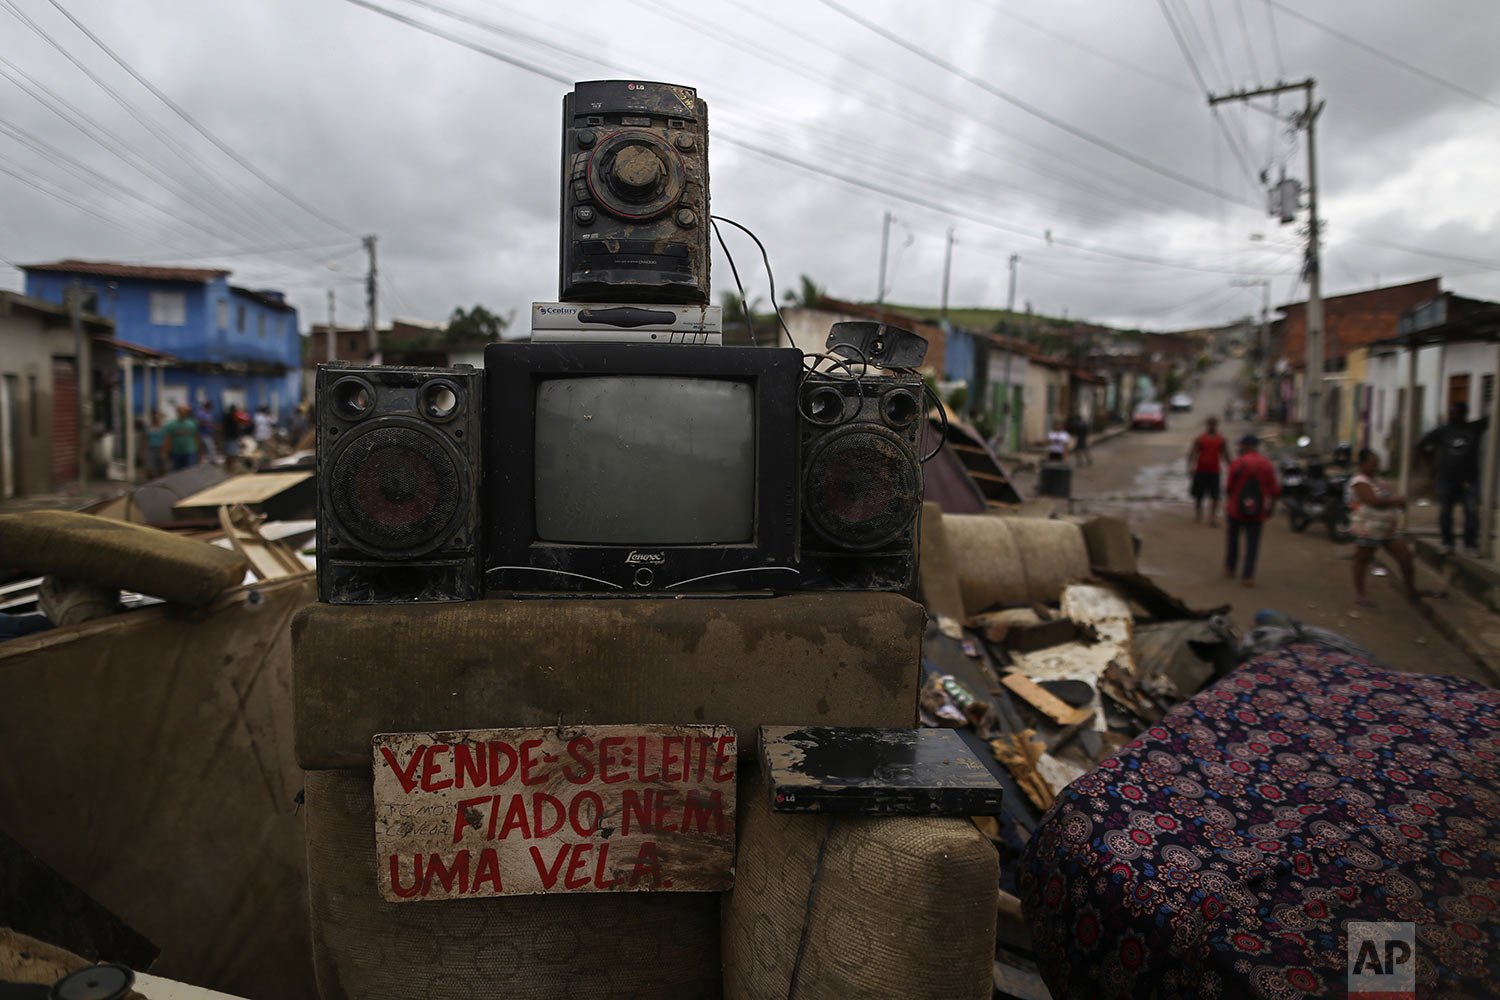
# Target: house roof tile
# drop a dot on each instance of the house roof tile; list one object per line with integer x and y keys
{"x": 144, "y": 272}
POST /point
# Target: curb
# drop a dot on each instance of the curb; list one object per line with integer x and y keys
{"x": 1456, "y": 617}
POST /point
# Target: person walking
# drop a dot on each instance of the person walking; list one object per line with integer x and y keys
{"x": 1456, "y": 445}
{"x": 1057, "y": 443}
{"x": 1252, "y": 491}
{"x": 156, "y": 434}
{"x": 1375, "y": 512}
{"x": 1078, "y": 427}
{"x": 180, "y": 440}
{"x": 1205, "y": 461}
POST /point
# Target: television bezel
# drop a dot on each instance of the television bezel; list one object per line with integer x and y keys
{"x": 517, "y": 561}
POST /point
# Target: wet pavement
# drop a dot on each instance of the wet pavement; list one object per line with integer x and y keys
{"x": 1143, "y": 477}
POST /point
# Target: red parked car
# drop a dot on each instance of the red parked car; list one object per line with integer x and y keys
{"x": 1149, "y": 416}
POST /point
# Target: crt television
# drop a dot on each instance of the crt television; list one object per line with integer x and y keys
{"x": 637, "y": 468}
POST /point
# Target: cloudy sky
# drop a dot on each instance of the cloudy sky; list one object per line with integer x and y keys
{"x": 1074, "y": 133}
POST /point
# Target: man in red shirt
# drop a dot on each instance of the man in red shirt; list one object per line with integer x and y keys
{"x": 1252, "y": 489}
{"x": 1204, "y": 462}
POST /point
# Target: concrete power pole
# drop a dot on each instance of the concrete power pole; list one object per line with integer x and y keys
{"x": 1312, "y": 381}
{"x": 947, "y": 269}
{"x": 85, "y": 383}
{"x": 1262, "y": 343}
{"x": 885, "y": 242}
{"x": 371, "y": 332}
{"x": 1010, "y": 308}
{"x": 333, "y": 347}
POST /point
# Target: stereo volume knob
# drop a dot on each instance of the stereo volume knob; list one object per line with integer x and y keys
{"x": 638, "y": 171}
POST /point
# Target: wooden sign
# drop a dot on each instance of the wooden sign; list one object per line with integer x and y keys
{"x": 514, "y": 812}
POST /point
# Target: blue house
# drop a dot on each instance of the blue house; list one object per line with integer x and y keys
{"x": 228, "y": 344}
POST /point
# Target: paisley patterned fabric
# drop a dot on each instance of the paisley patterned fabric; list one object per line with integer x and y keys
{"x": 1221, "y": 854}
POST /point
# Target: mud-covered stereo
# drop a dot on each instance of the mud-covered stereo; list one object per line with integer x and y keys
{"x": 635, "y": 224}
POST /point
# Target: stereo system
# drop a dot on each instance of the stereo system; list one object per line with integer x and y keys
{"x": 634, "y": 194}
{"x": 624, "y": 450}
{"x": 398, "y": 453}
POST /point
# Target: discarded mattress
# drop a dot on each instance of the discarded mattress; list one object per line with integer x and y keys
{"x": 1223, "y": 852}
{"x": 116, "y": 554}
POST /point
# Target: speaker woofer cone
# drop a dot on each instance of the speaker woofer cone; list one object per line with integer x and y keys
{"x": 400, "y": 489}
{"x": 860, "y": 487}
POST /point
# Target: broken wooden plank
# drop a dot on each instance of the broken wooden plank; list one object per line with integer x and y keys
{"x": 1045, "y": 701}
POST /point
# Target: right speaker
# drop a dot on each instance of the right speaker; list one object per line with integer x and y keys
{"x": 398, "y": 484}
{"x": 861, "y": 480}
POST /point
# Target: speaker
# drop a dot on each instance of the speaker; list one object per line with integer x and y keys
{"x": 398, "y": 484}
{"x": 634, "y": 194}
{"x": 861, "y": 480}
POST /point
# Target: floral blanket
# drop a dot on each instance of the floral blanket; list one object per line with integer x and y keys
{"x": 1221, "y": 854}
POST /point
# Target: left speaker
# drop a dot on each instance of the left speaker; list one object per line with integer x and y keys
{"x": 398, "y": 484}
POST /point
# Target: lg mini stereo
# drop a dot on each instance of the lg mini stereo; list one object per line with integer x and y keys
{"x": 861, "y": 480}
{"x": 398, "y": 484}
{"x": 634, "y": 194}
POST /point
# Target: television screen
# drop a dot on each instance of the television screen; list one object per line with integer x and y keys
{"x": 645, "y": 460}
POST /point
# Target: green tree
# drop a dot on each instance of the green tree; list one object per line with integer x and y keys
{"x": 734, "y": 308}
{"x": 467, "y": 326}
{"x": 807, "y": 294}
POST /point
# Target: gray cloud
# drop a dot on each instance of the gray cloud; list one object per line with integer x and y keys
{"x": 451, "y": 157}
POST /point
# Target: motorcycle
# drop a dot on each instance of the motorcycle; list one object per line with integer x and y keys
{"x": 1310, "y": 493}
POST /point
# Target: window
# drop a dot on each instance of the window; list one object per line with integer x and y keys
{"x": 240, "y": 317}
{"x": 32, "y": 403}
{"x": 168, "y": 308}
{"x": 353, "y": 345}
{"x": 260, "y": 325}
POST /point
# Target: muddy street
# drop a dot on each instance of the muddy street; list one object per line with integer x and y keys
{"x": 1143, "y": 476}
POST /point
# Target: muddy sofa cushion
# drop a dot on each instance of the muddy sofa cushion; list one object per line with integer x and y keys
{"x": 831, "y": 659}
{"x": 590, "y": 945}
{"x": 118, "y": 554}
{"x": 904, "y": 905}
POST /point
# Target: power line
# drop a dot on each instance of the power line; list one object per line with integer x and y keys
{"x": 97, "y": 180}
{"x": 1239, "y": 9}
{"x": 1381, "y": 54}
{"x": 1100, "y": 53}
{"x": 504, "y": 57}
{"x": 201, "y": 129}
{"x": 14, "y": 170}
{"x": 1187, "y": 54}
{"x": 249, "y": 213}
{"x": 93, "y": 130}
{"x": 818, "y": 169}
{"x": 1031, "y": 109}
{"x": 1419, "y": 251}
{"x": 1275, "y": 39}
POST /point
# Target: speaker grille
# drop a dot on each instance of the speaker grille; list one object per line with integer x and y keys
{"x": 397, "y": 490}
{"x": 860, "y": 489}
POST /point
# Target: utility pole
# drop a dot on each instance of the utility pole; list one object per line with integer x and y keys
{"x": 85, "y": 380}
{"x": 1263, "y": 341}
{"x": 947, "y": 268}
{"x": 1312, "y": 380}
{"x": 372, "y": 334}
{"x": 1010, "y": 352}
{"x": 885, "y": 242}
{"x": 333, "y": 349}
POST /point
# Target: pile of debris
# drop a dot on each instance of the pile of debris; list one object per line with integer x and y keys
{"x": 1047, "y": 663}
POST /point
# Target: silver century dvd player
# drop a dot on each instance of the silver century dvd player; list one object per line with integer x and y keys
{"x": 626, "y": 323}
